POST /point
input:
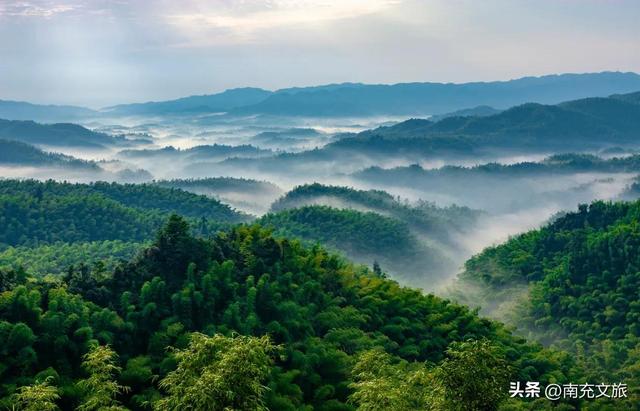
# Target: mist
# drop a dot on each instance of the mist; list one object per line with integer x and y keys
{"x": 249, "y": 162}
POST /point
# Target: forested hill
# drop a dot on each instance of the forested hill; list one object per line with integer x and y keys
{"x": 34, "y": 212}
{"x": 16, "y": 153}
{"x": 579, "y": 278}
{"x": 339, "y": 337}
{"x": 365, "y": 237}
{"x": 423, "y": 216}
{"x": 578, "y": 124}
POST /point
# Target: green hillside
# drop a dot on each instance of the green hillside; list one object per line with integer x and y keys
{"x": 366, "y": 237}
{"x": 34, "y": 212}
{"x": 327, "y": 319}
{"x": 56, "y": 258}
{"x": 580, "y": 276}
{"x": 437, "y": 223}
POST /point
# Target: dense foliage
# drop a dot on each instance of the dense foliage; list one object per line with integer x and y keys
{"x": 582, "y": 274}
{"x": 362, "y": 236}
{"x": 321, "y": 312}
{"x": 56, "y": 258}
{"x": 423, "y": 216}
{"x": 33, "y": 212}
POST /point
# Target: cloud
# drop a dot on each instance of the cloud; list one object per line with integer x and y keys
{"x": 34, "y": 8}
{"x": 244, "y": 20}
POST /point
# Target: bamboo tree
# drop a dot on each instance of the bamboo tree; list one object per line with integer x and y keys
{"x": 101, "y": 388}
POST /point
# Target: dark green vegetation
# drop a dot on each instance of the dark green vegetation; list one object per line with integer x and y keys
{"x": 365, "y": 237}
{"x": 424, "y": 216}
{"x": 322, "y": 315}
{"x": 581, "y": 276}
{"x": 411, "y": 242}
{"x": 33, "y": 212}
{"x": 16, "y": 153}
{"x": 56, "y": 258}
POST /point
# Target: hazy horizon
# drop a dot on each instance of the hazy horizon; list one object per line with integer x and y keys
{"x": 213, "y": 92}
{"x": 98, "y": 54}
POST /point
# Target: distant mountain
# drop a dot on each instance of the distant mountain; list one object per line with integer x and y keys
{"x": 594, "y": 122}
{"x": 21, "y": 154}
{"x": 355, "y": 99}
{"x": 437, "y": 98}
{"x": 220, "y": 102}
{"x": 60, "y": 134}
{"x": 19, "y": 110}
{"x": 586, "y": 125}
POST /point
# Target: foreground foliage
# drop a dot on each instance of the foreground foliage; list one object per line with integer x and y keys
{"x": 322, "y": 312}
{"x": 581, "y": 275}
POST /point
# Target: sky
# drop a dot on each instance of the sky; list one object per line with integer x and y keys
{"x": 98, "y": 52}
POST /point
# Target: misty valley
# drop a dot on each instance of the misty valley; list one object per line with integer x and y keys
{"x": 340, "y": 247}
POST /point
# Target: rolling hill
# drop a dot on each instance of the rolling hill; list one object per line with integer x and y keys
{"x": 572, "y": 284}
{"x": 36, "y": 212}
{"x": 15, "y": 153}
{"x": 59, "y": 134}
{"x": 324, "y": 315}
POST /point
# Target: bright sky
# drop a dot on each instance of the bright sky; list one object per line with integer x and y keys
{"x": 102, "y": 52}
